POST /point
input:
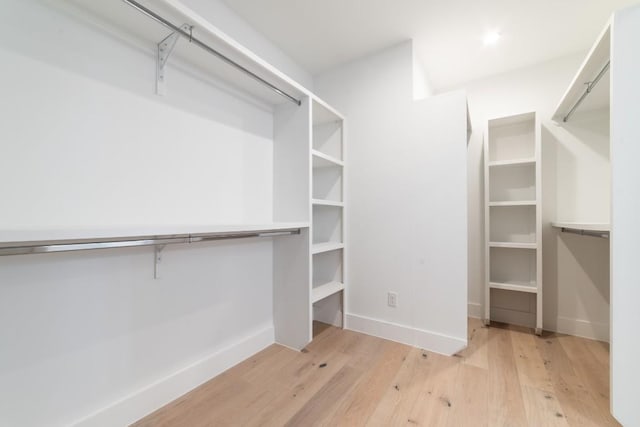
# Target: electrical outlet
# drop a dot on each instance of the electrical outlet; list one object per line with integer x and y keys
{"x": 392, "y": 299}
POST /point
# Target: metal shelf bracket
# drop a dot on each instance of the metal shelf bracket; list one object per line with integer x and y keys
{"x": 157, "y": 259}
{"x": 165, "y": 47}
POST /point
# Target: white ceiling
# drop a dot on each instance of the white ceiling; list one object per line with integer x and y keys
{"x": 448, "y": 34}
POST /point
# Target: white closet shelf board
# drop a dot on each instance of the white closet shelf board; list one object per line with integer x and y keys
{"x": 324, "y": 113}
{"x": 323, "y": 291}
{"x": 125, "y": 21}
{"x": 596, "y": 59}
{"x": 513, "y": 203}
{"x": 10, "y": 238}
{"x": 518, "y": 287}
{"x": 322, "y": 202}
{"x": 515, "y": 245}
{"x": 587, "y": 226}
{"x": 515, "y": 162}
{"x": 512, "y": 120}
{"x": 319, "y": 248}
{"x": 321, "y": 160}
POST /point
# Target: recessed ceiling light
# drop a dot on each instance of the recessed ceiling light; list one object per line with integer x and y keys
{"x": 491, "y": 38}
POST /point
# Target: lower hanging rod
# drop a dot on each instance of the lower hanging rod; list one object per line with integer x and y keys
{"x": 592, "y": 233}
{"x": 189, "y": 36}
{"x": 26, "y": 248}
{"x": 590, "y": 86}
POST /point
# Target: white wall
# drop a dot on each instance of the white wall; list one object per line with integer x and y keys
{"x": 406, "y": 187}
{"x": 86, "y": 143}
{"x": 220, "y": 15}
{"x": 625, "y": 151}
{"x": 537, "y": 88}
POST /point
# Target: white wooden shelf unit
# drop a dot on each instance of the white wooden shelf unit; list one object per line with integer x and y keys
{"x": 171, "y": 32}
{"x": 513, "y": 251}
{"x": 328, "y": 215}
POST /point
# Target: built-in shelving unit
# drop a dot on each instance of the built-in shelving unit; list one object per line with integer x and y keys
{"x": 512, "y": 209}
{"x": 328, "y": 215}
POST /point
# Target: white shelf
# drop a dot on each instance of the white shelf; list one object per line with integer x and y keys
{"x": 530, "y": 288}
{"x": 318, "y": 248}
{"x": 321, "y": 160}
{"x": 515, "y": 245}
{"x": 322, "y": 202}
{"x": 514, "y": 203}
{"x": 587, "y": 226}
{"x": 323, "y": 113}
{"x": 513, "y": 162}
{"x": 597, "y": 57}
{"x": 326, "y": 290}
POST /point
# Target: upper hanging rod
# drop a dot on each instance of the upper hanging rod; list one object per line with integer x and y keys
{"x": 189, "y": 36}
{"x": 25, "y": 248}
{"x": 590, "y": 86}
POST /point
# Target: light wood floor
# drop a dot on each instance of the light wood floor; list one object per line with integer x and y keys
{"x": 506, "y": 377}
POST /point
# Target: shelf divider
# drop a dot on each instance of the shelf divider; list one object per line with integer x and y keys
{"x": 514, "y": 203}
{"x": 513, "y": 162}
{"x": 323, "y": 202}
{"x": 513, "y": 287}
{"x": 319, "y": 248}
{"x": 321, "y": 160}
{"x": 515, "y": 245}
{"x": 326, "y": 290}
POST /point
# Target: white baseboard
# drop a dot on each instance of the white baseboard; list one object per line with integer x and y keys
{"x": 428, "y": 340}
{"x": 146, "y": 400}
{"x": 564, "y": 325}
{"x": 474, "y": 310}
{"x": 583, "y": 328}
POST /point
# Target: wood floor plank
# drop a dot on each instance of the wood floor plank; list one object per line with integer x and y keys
{"x": 543, "y": 408}
{"x": 306, "y": 386}
{"x": 324, "y": 403}
{"x": 476, "y": 352}
{"x": 361, "y": 402}
{"x": 506, "y": 406}
{"x": 470, "y": 406}
{"x": 587, "y": 367}
{"x": 529, "y": 362}
{"x": 506, "y": 377}
{"x": 396, "y": 404}
{"x": 577, "y": 402}
{"x": 436, "y": 396}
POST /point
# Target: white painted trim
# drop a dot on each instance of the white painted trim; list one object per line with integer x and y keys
{"x": 564, "y": 325}
{"x": 474, "y": 310}
{"x": 428, "y": 340}
{"x": 513, "y": 317}
{"x": 583, "y": 328}
{"x": 142, "y": 402}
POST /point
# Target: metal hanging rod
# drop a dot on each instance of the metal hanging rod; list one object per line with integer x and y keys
{"x": 189, "y": 36}
{"x": 590, "y": 86}
{"x": 592, "y": 233}
{"x": 26, "y": 248}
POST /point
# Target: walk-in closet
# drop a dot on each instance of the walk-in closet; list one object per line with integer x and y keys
{"x": 303, "y": 213}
